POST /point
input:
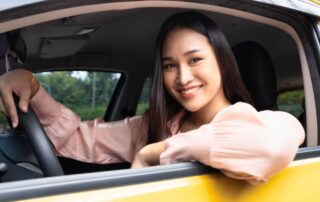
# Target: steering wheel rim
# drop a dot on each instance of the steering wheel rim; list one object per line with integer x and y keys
{"x": 39, "y": 141}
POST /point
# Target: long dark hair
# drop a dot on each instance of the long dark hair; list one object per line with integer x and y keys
{"x": 162, "y": 105}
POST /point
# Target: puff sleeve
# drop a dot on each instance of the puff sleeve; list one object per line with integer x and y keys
{"x": 89, "y": 141}
{"x": 241, "y": 142}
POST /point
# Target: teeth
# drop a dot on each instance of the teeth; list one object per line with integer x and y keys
{"x": 192, "y": 90}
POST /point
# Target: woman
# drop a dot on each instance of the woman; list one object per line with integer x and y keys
{"x": 197, "y": 112}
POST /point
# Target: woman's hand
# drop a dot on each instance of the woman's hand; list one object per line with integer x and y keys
{"x": 148, "y": 155}
{"x": 24, "y": 85}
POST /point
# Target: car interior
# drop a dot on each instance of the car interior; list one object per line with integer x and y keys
{"x": 122, "y": 41}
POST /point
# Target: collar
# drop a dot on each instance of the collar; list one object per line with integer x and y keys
{"x": 175, "y": 122}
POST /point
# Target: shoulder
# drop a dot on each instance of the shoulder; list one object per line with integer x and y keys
{"x": 273, "y": 121}
{"x": 237, "y": 110}
{"x": 245, "y": 111}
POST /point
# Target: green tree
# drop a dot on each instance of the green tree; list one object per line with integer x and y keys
{"x": 76, "y": 93}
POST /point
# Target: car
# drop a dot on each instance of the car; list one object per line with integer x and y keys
{"x": 96, "y": 58}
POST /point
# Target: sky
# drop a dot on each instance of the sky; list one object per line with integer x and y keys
{"x": 7, "y": 4}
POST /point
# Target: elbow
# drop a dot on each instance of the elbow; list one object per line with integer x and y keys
{"x": 284, "y": 145}
{"x": 278, "y": 157}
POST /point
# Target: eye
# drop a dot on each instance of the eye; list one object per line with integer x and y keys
{"x": 168, "y": 66}
{"x": 195, "y": 60}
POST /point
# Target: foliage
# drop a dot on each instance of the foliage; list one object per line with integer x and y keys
{"x": 142, "y": 107}
{"x": 144, "y": 98}
{"x": 88, "y": 95}
{"x": 292, "y": 102}
{"x": 291, "y": 97}
{"x": 87, "y": 113}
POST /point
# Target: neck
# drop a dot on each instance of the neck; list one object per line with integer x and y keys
{"x": 207, "y": 113}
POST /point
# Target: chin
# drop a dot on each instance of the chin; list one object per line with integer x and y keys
{"x": 191, "y": 108}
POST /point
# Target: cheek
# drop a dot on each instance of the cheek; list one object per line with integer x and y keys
{"x": 168, "y": 80}
{"x": 213, "y": 77}
{"x": 216, "y": 79}
{"x": 215, "y": 71}
{"x": 216, "y": 75}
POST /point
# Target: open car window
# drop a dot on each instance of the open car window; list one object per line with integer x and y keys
{"x": 292, "y": 102}
{"x": 87, "y": 93}
{"x": 143, "y": 103}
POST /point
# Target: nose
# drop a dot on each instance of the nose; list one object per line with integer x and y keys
{"x": 185, "y": 75}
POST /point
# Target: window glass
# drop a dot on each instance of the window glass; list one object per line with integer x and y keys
{"x": 87, "y": 93}
{"x": 292, "y": 102}
{"x": 143, "y": 104}
{"x": 4, "y": 125}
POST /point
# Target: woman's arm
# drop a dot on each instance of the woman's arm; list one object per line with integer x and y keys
{"x": 90, "y": 141}
{"x": 243, "y": 143}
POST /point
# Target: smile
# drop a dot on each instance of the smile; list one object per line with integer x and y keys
{"x": 190, "y": 92}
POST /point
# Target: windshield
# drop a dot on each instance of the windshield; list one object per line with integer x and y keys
{"x": 7, "y": 4}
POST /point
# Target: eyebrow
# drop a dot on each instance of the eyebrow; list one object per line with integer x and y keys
{"x": 186, "y": 53}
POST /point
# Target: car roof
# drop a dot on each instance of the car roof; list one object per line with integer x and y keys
{"x": 306, "y": 6}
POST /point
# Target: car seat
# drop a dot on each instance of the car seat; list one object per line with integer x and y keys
{"x": 258, "y": 74}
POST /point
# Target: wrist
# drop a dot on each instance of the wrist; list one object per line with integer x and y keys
{"x": 34, "y": 86}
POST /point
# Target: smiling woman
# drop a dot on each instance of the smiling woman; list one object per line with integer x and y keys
{"x": 191, "y": 70}
{"x": 197, "y": 110}
{"x": 207, "y": 122}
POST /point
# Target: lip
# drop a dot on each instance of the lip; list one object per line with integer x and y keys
{"x": 190, "y": 91}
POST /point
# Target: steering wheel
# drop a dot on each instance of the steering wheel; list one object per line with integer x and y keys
{"x": 39, "y": 141}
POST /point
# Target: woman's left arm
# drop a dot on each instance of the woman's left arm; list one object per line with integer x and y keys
{"x": 241, "y": 142}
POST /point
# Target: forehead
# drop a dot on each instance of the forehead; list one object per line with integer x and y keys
{"x": 184, "y": 38}
{"x": 183, "y": 31}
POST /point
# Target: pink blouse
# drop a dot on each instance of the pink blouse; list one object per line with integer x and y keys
{"x": 241, "y": 142}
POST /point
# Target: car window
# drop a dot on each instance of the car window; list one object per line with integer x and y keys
{"x": 292, "y": 102}
{"x": 87, "y": 93}
{"x": 4, "y": 124}
{"x": 143, "y": 104}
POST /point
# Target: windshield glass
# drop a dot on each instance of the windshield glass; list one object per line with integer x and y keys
{"x": 7, "y": 4}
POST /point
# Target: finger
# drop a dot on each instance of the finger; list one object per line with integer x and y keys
{"x": 138, "y": 163}
{"x": 8, "y": 102}
{"x": 24, "y": 100}
{"x": 170, "y": 156}
{"x": 164, "y": 158}
{"x": 135, "y": 163}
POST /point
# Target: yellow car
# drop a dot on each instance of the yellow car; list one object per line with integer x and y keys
{"x": 96, "y": 58}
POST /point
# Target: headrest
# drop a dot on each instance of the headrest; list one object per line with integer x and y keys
{"x": 258, "y": 74}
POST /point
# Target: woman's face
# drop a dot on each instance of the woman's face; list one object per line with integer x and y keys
{"x": 191, "y": 73}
